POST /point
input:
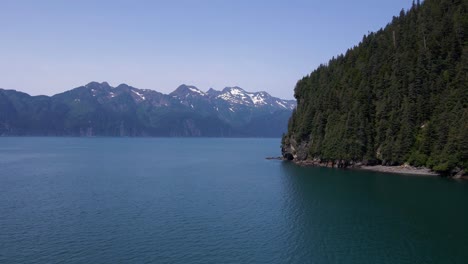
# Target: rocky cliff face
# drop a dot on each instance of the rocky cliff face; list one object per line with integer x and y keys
{"x": 299, "y": 153}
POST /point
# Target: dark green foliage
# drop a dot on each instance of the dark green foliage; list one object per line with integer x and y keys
{"x": 400, "y": 96}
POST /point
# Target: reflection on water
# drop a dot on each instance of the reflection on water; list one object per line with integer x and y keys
{"x": 340, "y": 216}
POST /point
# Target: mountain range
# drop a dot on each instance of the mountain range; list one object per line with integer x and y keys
{"x": 98, "y": 109}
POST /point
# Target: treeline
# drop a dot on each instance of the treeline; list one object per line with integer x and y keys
{"x": 400, "y": 96}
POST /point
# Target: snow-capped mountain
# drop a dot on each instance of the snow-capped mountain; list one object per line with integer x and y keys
{"x": 187, "y": 91}
{"x": 100, "y": 109}
{"x": 234, "y": 96}
{"x": 237, "y": 95}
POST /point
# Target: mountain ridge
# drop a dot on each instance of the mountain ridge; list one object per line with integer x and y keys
{"x": 99, "y": 109}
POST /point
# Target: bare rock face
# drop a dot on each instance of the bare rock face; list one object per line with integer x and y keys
{"x": 288, "y": 156}
{"x": 291, "y": 150}
{"x": 302, "y": 151}
{"x": 288, "y": 148}
{"x": 459, "y": 173}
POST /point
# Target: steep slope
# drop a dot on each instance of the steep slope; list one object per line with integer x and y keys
{"x": 400, "y": 96}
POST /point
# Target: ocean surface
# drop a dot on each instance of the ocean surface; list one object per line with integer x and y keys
{"x": 181, "y": 200}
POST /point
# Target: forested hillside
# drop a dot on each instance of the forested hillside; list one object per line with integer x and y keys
{"x": 400, "y": 96}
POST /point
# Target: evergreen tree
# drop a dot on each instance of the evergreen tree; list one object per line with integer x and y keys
{"x": 400, "y": 96}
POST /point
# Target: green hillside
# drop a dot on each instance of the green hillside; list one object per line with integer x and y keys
{"x": 400, "y": 96}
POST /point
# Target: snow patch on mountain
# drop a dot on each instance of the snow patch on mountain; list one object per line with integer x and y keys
{"x": 233, "y": 96}
{"x": 195, "y": 90}
{"x": 142, "y": 97}
{"x": 281, "y": 104}
{"x": 238, "y": 96}
{"x": 256, "y": 99}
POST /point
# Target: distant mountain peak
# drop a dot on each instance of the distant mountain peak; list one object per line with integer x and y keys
{"x": 186, "y": 90}
{"x": 235, "y": 89}
{"x": 237, "y": 95}
{"x": 213, "y": 92}
{"x": 124, "y": 86}
{"x": 98, "y": 85}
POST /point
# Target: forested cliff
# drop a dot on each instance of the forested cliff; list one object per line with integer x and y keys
{"x": 400, "y": 96}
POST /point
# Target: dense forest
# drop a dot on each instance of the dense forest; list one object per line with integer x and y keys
{"x": 400, "y": 96}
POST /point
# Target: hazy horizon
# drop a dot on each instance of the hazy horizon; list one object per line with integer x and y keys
{"x": 51, "y": 46}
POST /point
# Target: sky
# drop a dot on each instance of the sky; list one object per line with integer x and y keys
{"x": 47, "y": 47}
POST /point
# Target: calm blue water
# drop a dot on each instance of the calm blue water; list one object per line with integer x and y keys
{"x": 139, "y": 200}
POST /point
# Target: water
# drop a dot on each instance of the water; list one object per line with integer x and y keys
{"x": 140, "y": 200}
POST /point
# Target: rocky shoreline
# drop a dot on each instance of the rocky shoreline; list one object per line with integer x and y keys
{"x": 400, "y": 169}
{"x": 298, "y": 154}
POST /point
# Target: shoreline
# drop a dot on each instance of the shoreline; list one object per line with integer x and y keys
{"x": 400, "y": 169}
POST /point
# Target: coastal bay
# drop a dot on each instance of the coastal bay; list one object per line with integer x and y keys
{"x": 213, "y": 200}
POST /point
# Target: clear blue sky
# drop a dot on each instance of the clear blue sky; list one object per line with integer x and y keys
{"x": 50, "y": 46}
